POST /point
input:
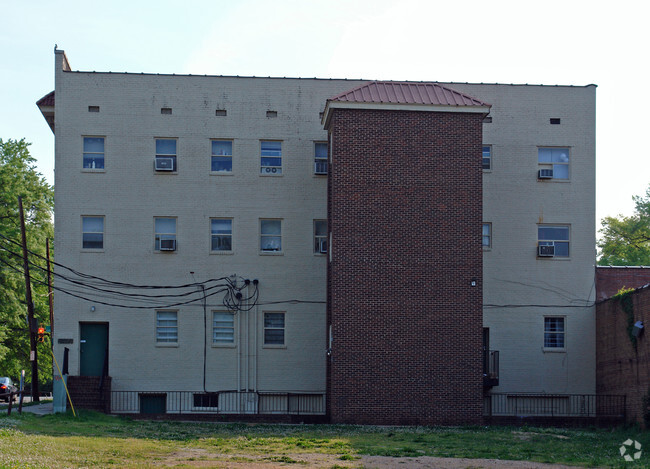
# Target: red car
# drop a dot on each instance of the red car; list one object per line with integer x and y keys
{"x": 6, "y": 387}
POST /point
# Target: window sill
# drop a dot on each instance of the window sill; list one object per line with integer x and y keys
{"x": 222, "y": 253}
{"x": 221, "y": 173}
{"x": 487, "y": 170}
{"x": 271, "y": 346}
{"x": 231, "y": 346}
{"x": 167, "y": 345}
{"x": 552, "y": 180}
{"x": 487, "y": 248}
{"x": 93, "y": 250}
{"x": 320, "y": 254}
{"x": 165, "y": 173}
{"x": 554, "y": 349}
{"x": 93, "y": 170}
{"x": 271, "y": 253}
{"x": 165, "y": 253}
{"x": 272, "y": 175}
{"x": 555, "y": 258}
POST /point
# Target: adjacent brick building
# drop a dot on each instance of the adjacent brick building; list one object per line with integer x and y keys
{"x": 610, "y": 279}
{"x": 623, "y": 360}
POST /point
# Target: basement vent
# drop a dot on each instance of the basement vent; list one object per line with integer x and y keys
{"x": 271, "y": 113}
{"x": 93, "y": 108}
{"x": 555, "y": 120}
{"x": 220, "y": 113}
{"x": 166, "y": 110}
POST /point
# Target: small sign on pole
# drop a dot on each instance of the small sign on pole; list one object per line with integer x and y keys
{"x": 32, "y": 356}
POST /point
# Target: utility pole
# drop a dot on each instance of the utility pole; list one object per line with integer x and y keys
{"x": 33, "y": 354}
{"x": 50, "y": 294}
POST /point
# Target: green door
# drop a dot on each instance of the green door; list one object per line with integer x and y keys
{"x": 93, "y": 348}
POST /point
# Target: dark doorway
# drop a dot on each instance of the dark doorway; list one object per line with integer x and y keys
{"x": 93, "y": 349}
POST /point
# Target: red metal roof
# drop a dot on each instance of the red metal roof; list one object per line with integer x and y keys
{"x": 47, "y": 100}
{"x": 407, "y": 93}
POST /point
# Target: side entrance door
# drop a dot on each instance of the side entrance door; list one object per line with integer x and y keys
{"x": 93, "y": 348}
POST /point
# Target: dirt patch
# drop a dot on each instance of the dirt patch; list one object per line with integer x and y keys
{"x": 204, "y": 458}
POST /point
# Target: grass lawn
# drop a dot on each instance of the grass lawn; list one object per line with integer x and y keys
{"x": 94, "y": 439}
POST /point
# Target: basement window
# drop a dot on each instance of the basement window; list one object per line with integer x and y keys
{"x": 210, "y": 399}
{"x": 93, "y": 108}
{"x": 271, "y": 113}
{"x": 555, "y": 120}
{"x": 221, "y": 113}
{"x": 166, "y": 110}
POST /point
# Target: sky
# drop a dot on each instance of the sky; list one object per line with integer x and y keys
{"x": 569, "y": 42}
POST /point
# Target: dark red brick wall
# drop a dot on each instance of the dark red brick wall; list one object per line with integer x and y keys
{"x": 610, "y": 280}
{"x": 86, "y": 393}
{"x": 620, "y": 369}
{"x": 405, "y": 209}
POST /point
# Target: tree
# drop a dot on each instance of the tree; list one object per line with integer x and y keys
{"x": 18, "y": 177}
{"x": 626, "y": 240}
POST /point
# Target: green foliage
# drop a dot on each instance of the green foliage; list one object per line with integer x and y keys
{"x": 626, "y": 240}
{"x": 18, "y": 177}
{"x": 624, "y": 296}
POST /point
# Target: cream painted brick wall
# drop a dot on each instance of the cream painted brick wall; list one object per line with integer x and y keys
{"x": 130, "y": 194}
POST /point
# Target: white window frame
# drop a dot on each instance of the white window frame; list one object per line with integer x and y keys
{"x": 266, "y": 328}
{"x": 269, "y": 169}
{"x": 268, "y": 236}
{"x": 561, "y": 153}
{"x": 548, "y": 241}
{"x": 488, "y": 158}
{"x": 158, "y": 235}
{"x": 320, "y": 162}
{"x": 487, "y": 236}
{"x": 223, "y": 156}
{"x": 320, "y": 238}
{"x": 552, "y": 333}
{"x": 166, "y": 322}
{"x": 221, "y": 235}
{"x": 83, "y": 232}
{"x": 225, "y": 324}
{"x": 93, "y": 156}
{"x": 174, "y": 155}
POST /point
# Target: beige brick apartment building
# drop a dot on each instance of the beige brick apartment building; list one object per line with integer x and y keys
{"x": 384, "y": 238}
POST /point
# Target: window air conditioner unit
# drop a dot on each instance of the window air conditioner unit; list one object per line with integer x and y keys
{"x": 546, "y": 250}
{"x": 545, "y": 174}
{"x": 164, "y": 164}
{"x": 167, "y": 244}
{"x": 269, "y": 169}
{"x": 322, "y": 246}
{"x": 320, "y": 167}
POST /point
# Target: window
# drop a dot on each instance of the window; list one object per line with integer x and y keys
{"x": 553, "y": 163}
{"x": 273, "y": 328}
{"x": 556, "y": 236}
{"x": 271, "y": 162}
{"x": 221, "y": 112}
{"x": 223, "y": 328}
{"x": 93, "y": 153}
{"x": 165, "y": 234}
{"x": 320, "y": 236}
{"x": 221, "y": 234}
{"x": 93, "y": 108}
{"x": 92, "y": 232}
{"x": 553, "y": 332}
{"x": 165, "y": 154}
{"x": 320, "y": 158}
{"x": 221, "y": 156}
{"x": 166, "y": 110}
{"x": 487, "y": 156}
{"x": 166, "y": 327}
{"x": 487, "y": 235}
{"x": 271, "y": 235}
{"x": 206, "y": 399}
